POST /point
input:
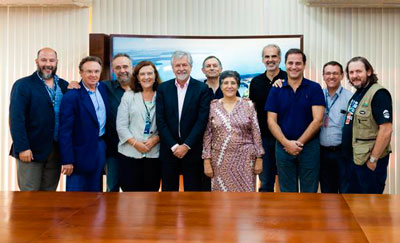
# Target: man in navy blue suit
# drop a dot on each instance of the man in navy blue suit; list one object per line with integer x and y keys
{"x": 34, "y": 113}
{"x": 182, "y": 107}
{"x": 82, "y": 126}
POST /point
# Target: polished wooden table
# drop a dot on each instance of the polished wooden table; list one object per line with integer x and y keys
{"x": 198, "y": 217}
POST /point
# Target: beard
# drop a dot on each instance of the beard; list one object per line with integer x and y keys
{"x": 182, "y": 77}
{"x": 124, "y": 79}
{"x": 46, "y": 76}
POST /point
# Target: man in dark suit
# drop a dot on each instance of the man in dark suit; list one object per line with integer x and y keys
{"x": 34, "y": 119}
{"x": 182, "y": 108}
{"x": 82, "y": 126}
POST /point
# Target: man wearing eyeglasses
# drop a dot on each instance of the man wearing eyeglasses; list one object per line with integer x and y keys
{"x": 83, "y": 115}
{"x": 333, "y": 170}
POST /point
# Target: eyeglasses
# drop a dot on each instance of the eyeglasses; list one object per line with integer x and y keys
{"x": 90, "y": 72}
{"x": 329, "y": 74}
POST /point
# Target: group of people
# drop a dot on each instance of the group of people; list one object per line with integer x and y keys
{"x": 141, "y": 131}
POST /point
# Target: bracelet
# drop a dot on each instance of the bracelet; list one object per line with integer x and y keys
{"x": 134, "y": 143}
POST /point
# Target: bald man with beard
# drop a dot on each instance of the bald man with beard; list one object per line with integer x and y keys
{"x": 34, "y": 119}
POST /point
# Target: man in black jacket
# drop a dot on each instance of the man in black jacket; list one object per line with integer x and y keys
{"x": 34, "y": 119}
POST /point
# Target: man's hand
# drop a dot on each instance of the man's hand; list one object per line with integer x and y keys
{"x": 67, "y": 169}
{"x": 258, "y": 166}
{"x": 208, "y": 170}
{"x": 73, "y": 85}
{"x": 181, "y": 151}
{"x": 278, "y": 83}
{"x": 26, "y": 156}
{"x": 293, "y": 147}
{"x": 371, "y": 166}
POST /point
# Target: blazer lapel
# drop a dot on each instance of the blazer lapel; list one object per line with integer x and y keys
{"x": 42, "y": 88}
{"x": 87, "y": 103}
{"x": 174, "y": 98}
{"x": 189, "y": 93}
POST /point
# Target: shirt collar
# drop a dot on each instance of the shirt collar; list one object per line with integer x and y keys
{"x": 178, "y": 85}
{"x": 88, "y": 90}
{"x": 303, "y": 83}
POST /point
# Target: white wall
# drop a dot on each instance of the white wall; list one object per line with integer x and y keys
{"x": 329, "y": 34}
{"x": 23, "y": 31}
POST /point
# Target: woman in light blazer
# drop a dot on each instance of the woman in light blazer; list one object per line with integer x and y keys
{"x": 140, "y": 167}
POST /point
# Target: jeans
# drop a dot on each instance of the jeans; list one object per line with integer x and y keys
{"x": 334, "y": 171}
{"x": 267, "y": 177}
{"x": 364, "y": 180}
{"x": 303, "y": 167}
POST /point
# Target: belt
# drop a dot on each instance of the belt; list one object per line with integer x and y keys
{"x": 332, "y": 148}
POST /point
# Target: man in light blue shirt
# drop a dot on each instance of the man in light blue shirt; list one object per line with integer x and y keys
{"x": 332, "y": 169}
{"x": 82, "y": 126}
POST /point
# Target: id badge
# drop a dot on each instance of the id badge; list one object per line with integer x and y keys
{"x": 147, "y": 128}
{"x": 326, "y": 121}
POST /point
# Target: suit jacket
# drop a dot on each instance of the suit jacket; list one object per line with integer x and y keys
{"x": 79, "y": 129}
{"x": 32, "y": 117}
{"x": 193, "y": 122}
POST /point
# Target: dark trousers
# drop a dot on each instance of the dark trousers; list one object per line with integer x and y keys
{"x": 89, "y": 182}
{"x": 112, "y": 169}
{"x": 139, "y": 174}
{"x": 364, "y": 180}
{"x": 334, "y": 170}
{"x": 267, "y": 177}
{"x": 303, "y": 167}
{"x": 192, "y": 172}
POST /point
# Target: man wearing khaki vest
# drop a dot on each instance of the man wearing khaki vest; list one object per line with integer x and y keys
{"x": 367, "y": 129}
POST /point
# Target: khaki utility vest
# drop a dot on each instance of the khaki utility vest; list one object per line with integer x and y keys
{"x": 365, "y": 128}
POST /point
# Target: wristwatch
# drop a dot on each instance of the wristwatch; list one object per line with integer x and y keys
{"x": 372, "y": 159}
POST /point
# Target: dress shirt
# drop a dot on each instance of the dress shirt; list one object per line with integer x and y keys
{"x": 56, "y": 95}
{"x": 181, "y": 99}
{"x": 336, "y": 105}
{"x": 181, "y": 91}
{"x": 99, "y": 107}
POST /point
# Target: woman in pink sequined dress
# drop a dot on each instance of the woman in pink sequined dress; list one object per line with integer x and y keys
{"x": 232, "y": 149}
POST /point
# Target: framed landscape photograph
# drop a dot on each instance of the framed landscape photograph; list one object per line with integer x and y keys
{"x": 239, "y": 53}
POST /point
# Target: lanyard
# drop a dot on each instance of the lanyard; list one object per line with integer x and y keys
{"x": 328, "y": 108}
{"x": 147, "y": 112}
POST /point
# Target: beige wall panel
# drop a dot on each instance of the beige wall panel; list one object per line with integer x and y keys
{"x": 23, "y": 31}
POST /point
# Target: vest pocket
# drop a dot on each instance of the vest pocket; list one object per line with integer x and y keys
{"x": 361, "y": 153}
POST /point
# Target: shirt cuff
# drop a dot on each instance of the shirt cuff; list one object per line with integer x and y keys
{"x": 173, "y": 148}
{"x": 187, "y": 146}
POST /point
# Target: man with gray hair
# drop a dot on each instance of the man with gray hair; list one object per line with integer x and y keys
{"x": 259, "y": 90}
{"x": 122, "y": 68}
{"x": 182, "y": 107}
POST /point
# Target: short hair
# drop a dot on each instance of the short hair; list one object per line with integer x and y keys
{"x": 121, "y": 55}
{"x": 181, "y": 54}
{"x": 135, "y": 84}
{"x": 211, "y": 57}
{"x": 90, "y": 59}
{"x": 333, "y": 63}
{"x": 45, "y": 48}
{"x": 229, "y": 74}
{"x": 295, "y": 51}
{"x": 271, "y": 45}
{"x": 368, "y": 67}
